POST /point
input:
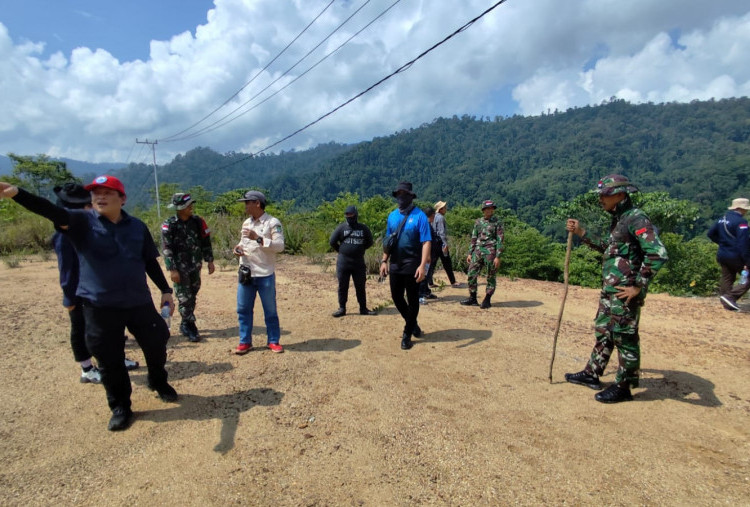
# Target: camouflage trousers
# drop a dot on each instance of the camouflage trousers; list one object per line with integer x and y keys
{"x": 478, "y": 261}
{"x": 616, "y": 325}
{"x": 186, "y": 292}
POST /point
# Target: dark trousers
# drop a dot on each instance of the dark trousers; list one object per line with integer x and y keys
{"x": 408, "y": 307}
{"x": 729, "y": 272}
{"x": 78, "y": 333}
{"x": 447, "y": 265}
{"x": 358, "y": 273}
{"x": 424, "y": 285}
{"x": 105, "y": 338}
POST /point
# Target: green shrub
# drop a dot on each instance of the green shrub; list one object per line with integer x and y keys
{"x": 692, "y": 268}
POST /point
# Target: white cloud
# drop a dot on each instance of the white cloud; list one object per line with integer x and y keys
{"x": 90, "y": 106}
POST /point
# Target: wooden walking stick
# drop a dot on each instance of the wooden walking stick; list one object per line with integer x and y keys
{"x": 562, "y": 305}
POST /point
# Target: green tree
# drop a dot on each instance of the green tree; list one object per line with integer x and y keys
{"x": 39, "y": 174}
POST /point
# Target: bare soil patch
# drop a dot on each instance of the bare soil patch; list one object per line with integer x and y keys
{"x": 467, "y": 417}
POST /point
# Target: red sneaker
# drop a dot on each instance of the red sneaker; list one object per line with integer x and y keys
{"x": 275, "y": 347}
{"x": 243, "y": 348}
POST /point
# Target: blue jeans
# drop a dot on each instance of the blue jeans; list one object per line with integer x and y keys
{"x": 265, "y": 286}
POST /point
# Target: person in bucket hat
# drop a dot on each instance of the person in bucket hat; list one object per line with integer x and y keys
{"x": 441, "y": 233}
{"x": 730, "y": 232}
{"x": 186, "y": 245}
{"x": 486, "y": 246}
{"x": 408, "y": 259}
{"x": 632, "y": 255}
{"x": 115, "y": 252}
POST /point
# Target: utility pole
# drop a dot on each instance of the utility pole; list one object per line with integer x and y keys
{"x": 156, "y": 178}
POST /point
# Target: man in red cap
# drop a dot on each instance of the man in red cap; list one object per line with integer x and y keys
{"x": 115, "y": 252}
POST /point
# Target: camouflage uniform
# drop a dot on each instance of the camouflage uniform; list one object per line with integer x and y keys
{"x": 185, "y": 245}
{"x": 633, "y": 254}
{"x": 486, "y": 244}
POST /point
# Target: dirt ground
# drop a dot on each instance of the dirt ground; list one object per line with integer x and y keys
{"x": 344, "y": 417}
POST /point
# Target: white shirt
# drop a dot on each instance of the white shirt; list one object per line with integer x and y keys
{"x": 262, "y": 258}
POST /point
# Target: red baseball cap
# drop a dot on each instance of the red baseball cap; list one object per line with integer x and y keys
{"x": 106, "y": 181}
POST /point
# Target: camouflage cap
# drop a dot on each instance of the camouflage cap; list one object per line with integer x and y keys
{"x": 615, "y": 184}
{"x": 180, "y": 201}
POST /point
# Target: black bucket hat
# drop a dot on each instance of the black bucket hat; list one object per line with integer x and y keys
{"x": 405, "y": 186}
{"x": 72, "y": 195}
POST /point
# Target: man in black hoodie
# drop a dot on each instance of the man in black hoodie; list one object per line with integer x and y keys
{"x": 350, "y": 240}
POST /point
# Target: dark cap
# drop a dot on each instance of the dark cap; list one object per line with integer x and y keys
{"x": 72, "y": 195}
{"x": 488, "y": 204}
{"x": 615, "y": 184}
{"x": 181, "y": 201}
{"x": 405, "y": 186}
{"x": 351, "y": 210}
{"x": 253, "y": 195}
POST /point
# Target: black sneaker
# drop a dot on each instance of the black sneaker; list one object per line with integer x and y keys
{"x": 365, "y": 311}
{"x": 729, "y": 303}
{"x": 584, "y": 379}
{"x": 614, "y": 394}
{"x": 417, "y": 332}
{"x": 340, "y": 312}
{"x": 121, "y": 419}
{"x": 166, "y": 392}
{"x": 431, "y": 296}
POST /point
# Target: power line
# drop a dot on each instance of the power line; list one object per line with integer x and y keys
{"x": 403, "y": 68}
{"x": 255, "y": 76}
{"x": 287, "y": 71}
{"x": 211, "y": 127}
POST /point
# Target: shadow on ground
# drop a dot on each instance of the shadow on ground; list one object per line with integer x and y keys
{"x": 677, "y": 385}
{"x": 226, "y": 407}
{"x": 471, "y": 336}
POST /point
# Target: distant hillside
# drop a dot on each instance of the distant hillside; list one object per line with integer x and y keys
{"x": 698, "y": 151}
{"x": 218, "y": 173}
{"x": 77, "y": 167}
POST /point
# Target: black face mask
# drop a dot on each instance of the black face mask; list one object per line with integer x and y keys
{"x": 351, "y": 220}
{"x": 404, "y": 201}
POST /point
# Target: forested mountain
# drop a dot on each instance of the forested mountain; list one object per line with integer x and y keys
{"x": 698, "y": 151}
{"x": 218, "y": 173}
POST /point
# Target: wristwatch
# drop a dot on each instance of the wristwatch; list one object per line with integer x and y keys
{"x": 259, "y": 240}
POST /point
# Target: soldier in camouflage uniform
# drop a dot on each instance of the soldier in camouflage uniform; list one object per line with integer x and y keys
{"x": 486, "y": 247}
{"x": 186, "y": 243}
{"x": 631, "y": 257}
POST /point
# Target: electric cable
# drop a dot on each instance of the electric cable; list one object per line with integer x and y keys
{"x": 214, "y": 125}
{"x": 209, "y": 128}
{"x": 403, "y": 68}
{"x": 255, "y": 76}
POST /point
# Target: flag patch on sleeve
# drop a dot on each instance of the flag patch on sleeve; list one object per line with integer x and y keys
{"x": 641, "y": 231}
{"x": 743, "y": 226}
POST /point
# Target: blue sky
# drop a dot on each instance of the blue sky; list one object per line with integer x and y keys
{"x": 124, "y": 28}
{"x": 83, "y": 79}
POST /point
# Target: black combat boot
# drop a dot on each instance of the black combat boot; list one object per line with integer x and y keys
{"x": 471, "y": 301}
{"x": 486, "y": 303}
{"x": 195, "y": 336}
{"x": 614, "y": 394}
{"x": 584, "y": 379}
{"x": 406, "y": 342}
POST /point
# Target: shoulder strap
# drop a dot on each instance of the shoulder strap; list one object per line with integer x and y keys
{"x": 726, "y": 229}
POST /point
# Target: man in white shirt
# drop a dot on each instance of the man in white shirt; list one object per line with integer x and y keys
{"x": 261, "y": 239}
